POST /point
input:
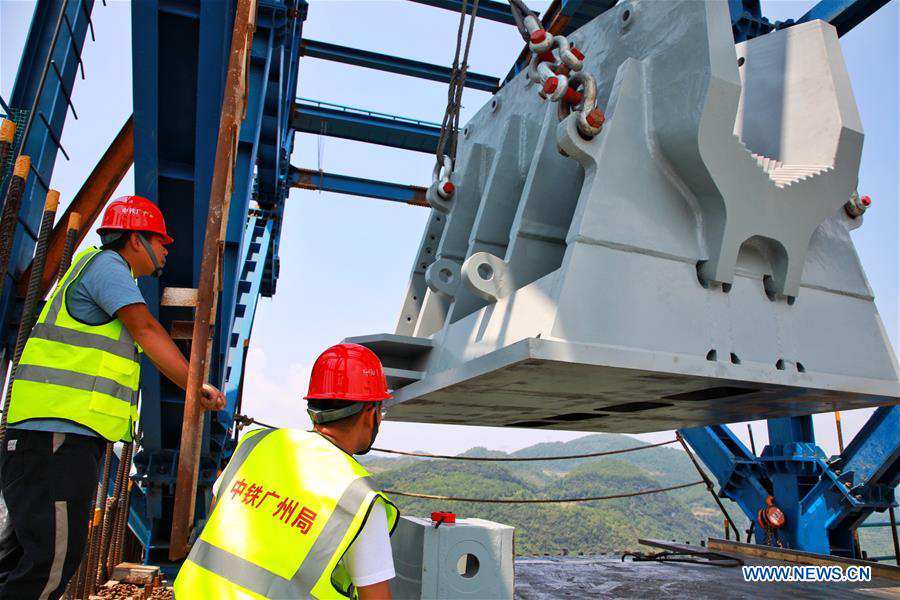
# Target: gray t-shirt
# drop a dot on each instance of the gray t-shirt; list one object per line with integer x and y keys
{"x": 105, "y": 286}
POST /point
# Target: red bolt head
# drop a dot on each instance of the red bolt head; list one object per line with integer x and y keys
{"x": 578, "y": 54}
{"x": 538, "y": 36}
{"x": 865, "y": 200}
{"x": 596, "y": 118}
{"x": 550, "y": 85}
{"x": 448, "y": 188}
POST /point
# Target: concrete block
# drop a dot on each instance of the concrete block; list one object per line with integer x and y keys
{"x": 471, "y": 558}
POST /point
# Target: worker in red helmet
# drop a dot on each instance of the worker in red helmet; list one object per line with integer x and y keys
{"x": 75, "y": 390}
{"x": 294, "y": 515}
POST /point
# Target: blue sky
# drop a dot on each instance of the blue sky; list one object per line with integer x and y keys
{"x": 345, "y": 261}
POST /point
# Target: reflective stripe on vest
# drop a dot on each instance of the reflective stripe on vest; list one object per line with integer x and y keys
{"x": 84, "y": 373}
{"x": 214, "y": 567}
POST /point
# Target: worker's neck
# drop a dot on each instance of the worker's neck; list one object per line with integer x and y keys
{"x": 345, "y": 440}
{"x": 129, "y": 257}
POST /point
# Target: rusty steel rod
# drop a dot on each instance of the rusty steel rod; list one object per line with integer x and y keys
{"x": 233, "y": 108}
{"x": 93, "y": 556}
{"x": 96, "y": 191}
{"x": 11, "y": 205}
{"x": 71, "y": 242}
{"x": 29, "y": 312}
{"x": 7, "y": 135}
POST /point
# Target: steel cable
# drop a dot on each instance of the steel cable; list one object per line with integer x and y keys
{"x": 543, "y": 500}
{"x": 524, "y": 458}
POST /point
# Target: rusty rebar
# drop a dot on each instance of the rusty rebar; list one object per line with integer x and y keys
{"x": 93, "y": 554}
{"x": 71, "y": 241}
{"x": 11, "y": 205}
{"x": 29, "y": 307}
{"x": 122, "y": 506}
{"x": 7, "y": 135}
{"x": 109, "y": 523}
{"x": 233, "y": 108}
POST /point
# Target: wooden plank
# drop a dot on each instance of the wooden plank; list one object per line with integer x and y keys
{"x": 135, "y": 573}
{"x": 173, "y": 296}
{"x": 796, "y": 556}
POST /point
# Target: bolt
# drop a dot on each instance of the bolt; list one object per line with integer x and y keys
{"x": 538, "y": 36}
{"x": 866, "y": 201}
{"x": 596, "y": 118}
{"x": 448, "y": 188}
{"x": 550, "y": 85}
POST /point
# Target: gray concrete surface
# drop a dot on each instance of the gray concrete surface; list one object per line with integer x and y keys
{"x": 606, "y": 577}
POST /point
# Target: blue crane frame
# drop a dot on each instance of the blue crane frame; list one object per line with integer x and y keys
{"x": 175, "y": 132}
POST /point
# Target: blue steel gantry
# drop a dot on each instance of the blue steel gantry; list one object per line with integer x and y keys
{"x": 180, "y": 56}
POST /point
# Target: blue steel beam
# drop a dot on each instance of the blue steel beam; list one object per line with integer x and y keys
{"x": 40, "y": 95}
{"x": 176, "y": 126}
{"x": 255, "y": 247}
{"x": 823, "y": 500}
{"x": 324, "y": 118}
{"x": 843, "y": 14}
{"x": 307, "y": 179}
{"x": 487, "y": 9}
{"x": 393, "y": 64}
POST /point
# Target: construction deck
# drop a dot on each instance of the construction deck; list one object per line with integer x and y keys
{"x": 546, "y": 578}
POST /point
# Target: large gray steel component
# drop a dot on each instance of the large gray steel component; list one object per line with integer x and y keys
{"x": 690, "y": 265}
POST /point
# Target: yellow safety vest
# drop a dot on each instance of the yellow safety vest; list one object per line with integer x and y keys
{"x": 288, "y": 507}
{"x": 88, "y": 374}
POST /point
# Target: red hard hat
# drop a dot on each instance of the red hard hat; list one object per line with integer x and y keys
{"x": 134, "y": 213}
{"x": 348, "y": 372}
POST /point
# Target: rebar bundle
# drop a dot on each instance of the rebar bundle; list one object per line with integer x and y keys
{"x": 29, "y": 308}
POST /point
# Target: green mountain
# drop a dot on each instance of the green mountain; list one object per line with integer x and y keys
{"x": 589, "y": 527}
{"x": 607, "y": 526}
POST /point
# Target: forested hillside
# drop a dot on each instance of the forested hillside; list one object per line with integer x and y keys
{"x": 688, "y": 514}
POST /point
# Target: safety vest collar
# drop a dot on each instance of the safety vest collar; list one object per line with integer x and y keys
{"x": 261, "y": 581}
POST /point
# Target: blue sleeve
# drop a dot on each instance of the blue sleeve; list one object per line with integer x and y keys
{"x": 106, "y": 284}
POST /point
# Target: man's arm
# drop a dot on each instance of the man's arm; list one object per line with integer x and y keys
{"x": 376, "y": 591}
{"x": 163, "y": 352}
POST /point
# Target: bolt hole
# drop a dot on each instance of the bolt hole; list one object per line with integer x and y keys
{"x": 791, "y": 300}
{"x": 768, "y": 287}
{"x": 626, "y": 15}
{"x": 424, "y": 265}
{"x": 427, "y": 250}
{"x": 485, "y": 271}
{"x": 415, "y": 297}
{"x": 780, "y": 364}
{"x": 801, "y": 368}
{"x": 408, "y": 319}
{"x": 726, "y": 287}
{"x": 432, "y": 238}
{"x": 445, "y": 275}
{"x": 711, "y": 355}
{"x": 741, "y": 62}
{"x": 467, "y": 565}
{"x": 437, "y": 219}
{"x": 734, "y": 359}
